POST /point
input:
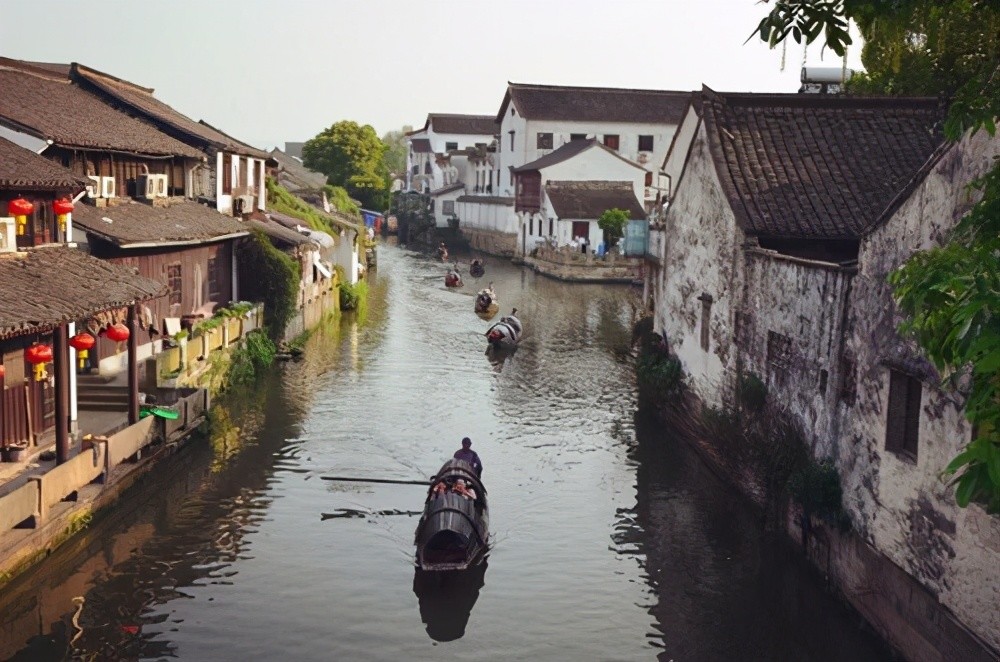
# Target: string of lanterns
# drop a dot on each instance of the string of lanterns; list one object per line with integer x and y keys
{"x": 39, "y": 354}
{"x": 21, "y": 209}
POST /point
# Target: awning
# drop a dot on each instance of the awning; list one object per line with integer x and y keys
{"x": 321, "y": 267}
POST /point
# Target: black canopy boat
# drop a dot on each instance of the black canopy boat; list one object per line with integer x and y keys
{"x": 486, "y": 301}
{"x": 476, "y": 269}
{"x": 453, "y": 531}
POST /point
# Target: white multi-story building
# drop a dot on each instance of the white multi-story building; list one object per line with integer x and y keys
{"x": 428, "y": 152}
{"x": 535, "y": 120}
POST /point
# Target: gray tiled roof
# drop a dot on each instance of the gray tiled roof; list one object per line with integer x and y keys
{"x": 47, "y": 104}
{"x": 589, "y": 199}
{"x": 596, "y": 104}
{"x": 45, "y": 287}
{"x": 136, "y": 224}
{"x": 815, "y": 165}
{"x": 140, "y": 100}
{"x": 481, "y": 125}
{"x": 22, "y": 169}
{"x": 568, "y": 151}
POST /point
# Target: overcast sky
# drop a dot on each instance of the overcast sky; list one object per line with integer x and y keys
{"x": 271, "y": 71}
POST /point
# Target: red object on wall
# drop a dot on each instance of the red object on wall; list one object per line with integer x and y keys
{"x": 3, "y": 371}
{"x": 38, "y": 353}
{"x": 82, "y": 341}
{"x": 63, "y": 206}
{"x": 20, "y": 207}
{"x": 118, "y": 332}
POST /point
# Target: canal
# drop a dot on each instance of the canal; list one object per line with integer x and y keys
{"x": 611, "y": 539}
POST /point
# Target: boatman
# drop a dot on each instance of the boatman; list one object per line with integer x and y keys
{"x": 467, "y": 454}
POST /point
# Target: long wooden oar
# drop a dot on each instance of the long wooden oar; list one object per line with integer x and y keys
{"x": 390, "y": 481}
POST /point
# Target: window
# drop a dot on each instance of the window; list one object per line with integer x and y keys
{"x": 903, "y": 421}
{"x": 448, "y": 207}
{"x": 779, "y": 353}
{"x": 611, "y": 141}
{"x": 578, "y": 136}
{"x": 848, "y": 380}
{"x": 531, "y": 226}
{"x": 645, "y": 143}
{"x": 415, "y": 169}
{"x": 649, "y": 179}
{"x": 427, "y": 168}
{"x": 227, "y": 174}
{"x": 550, "y": 228}
{"x": 706, "y": 319}
{"x": 450, "y": 146}
{"x": 214, "y": 279}
{"x": 544, "y": 141}
{"x": 174, "y": 283}
{"x": 511, "y": 141}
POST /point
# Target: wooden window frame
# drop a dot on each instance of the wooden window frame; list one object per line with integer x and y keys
{"x": 902, "y": 425}
{"x": 612, "y": 141}
{"x": 176, "y": 296}
{"x": 649, "y": 142}
{"x": 577, "y": 136}
{"x": 450, "y": 146}
{"x": 543, "y": 140}
{"x": 706, "y": 320}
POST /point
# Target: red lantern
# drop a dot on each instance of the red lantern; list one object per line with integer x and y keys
{"x": 20, "y": 209}
{"x": 62, "y": 208}
{"x": 3, "y": 371}
{"x": 38, "y": 355}
{"x": 118, "y": 332}
{"x": 81, "y": 342}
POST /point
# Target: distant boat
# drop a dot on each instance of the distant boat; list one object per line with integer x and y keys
{"x": 453, "y": 278}
{"x": 453, "y": 531}
{"x": 486, "y": 300}
{"x": 506, "y": 333}
{"x": 476, "y": 269}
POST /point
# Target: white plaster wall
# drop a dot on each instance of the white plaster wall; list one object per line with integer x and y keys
{"x": 902, "y": 507}
{"x": 508, "y": 158}
{"x": 440, "y": 218}
{"x": 487, "y": 216}
{"x": 702, "y": 256}
{"x": 439, "y": 141}
{"x": 628, "y": 138}
{"x": 598, "y": 165}
{"x": 223, "y": 202}
{"x": 673, "y": 164}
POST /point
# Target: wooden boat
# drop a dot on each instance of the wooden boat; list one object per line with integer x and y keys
{"x": 476, "y": 269}
{"x": 506, "y": 333}
{"x": 453, "y": 531}
{"x": 452, "y": 278}
{"x": 486, "y": 300}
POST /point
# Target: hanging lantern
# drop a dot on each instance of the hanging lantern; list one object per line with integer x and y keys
{"x": 3, "y": 371}
{"x": 63, "y": 208}
{"x": 20, "y": 209}
{"x": 38, "y": 355}
{"x": 82, "y": 342}
{"x": 118, "y": 332}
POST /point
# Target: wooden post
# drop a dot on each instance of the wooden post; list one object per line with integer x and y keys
{"x": 60, "y": 359}
{"x": 133, "y": 367}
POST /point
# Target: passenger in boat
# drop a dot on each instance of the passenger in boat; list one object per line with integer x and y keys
{"x": 464, "y": 490}
{"x": 440, "y": 488}
{"x": 467, "y": 454}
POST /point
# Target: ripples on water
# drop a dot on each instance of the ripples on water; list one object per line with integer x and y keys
{"x": 609, "y": 543}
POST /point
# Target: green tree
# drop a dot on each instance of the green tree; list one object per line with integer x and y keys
{"x": 350, "y": 155}
{"x": 613, "y": 222}
{"x": 395, "y": 150}
{"x": 949, "y": 294}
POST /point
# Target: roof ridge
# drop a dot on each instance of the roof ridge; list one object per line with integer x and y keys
{"x": 23, "y": 67}
{"x": 84, "y": 70}
{"x": 545, "y": 86}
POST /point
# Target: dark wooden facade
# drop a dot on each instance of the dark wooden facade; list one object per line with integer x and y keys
{"x": 200, "y": 278}
{"x": 27, "y": 407}
{"x": 42, "y": 226}
{"x": 125, "y": 168}
{"x": 528, "y": 195}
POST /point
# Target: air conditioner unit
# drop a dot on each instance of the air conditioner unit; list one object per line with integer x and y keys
{"x": 159, "y": 185}
{"x": 8, "y": 237}
{"x": 94, "y": 189}
{"x": 145, "y": 186}
{"x": 643, "y": 157}
{"x": 108, "y": 187}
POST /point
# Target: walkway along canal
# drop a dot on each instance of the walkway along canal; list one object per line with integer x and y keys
{"x": 612, "y": 541}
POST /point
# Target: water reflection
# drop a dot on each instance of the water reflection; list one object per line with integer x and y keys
{"x": 446, "y": 599}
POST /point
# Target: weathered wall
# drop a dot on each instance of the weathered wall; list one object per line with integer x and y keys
{"x": 702, "y": 257}
{"x": 803, "y": 302}
{"x": 899, "y": 504}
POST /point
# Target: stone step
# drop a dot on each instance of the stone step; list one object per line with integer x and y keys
{"x": 102, "y": 397}
{"x": 102, "y": 406}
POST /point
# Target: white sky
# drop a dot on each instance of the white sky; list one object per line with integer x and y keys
{"x": 270, "y": 71}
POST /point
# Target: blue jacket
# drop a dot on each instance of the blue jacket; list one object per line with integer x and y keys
{"x": 471, "y": 457}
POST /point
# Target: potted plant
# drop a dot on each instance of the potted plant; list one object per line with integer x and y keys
{"x": 14, "y": 451}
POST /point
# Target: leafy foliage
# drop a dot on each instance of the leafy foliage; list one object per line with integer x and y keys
{"x": 339, "y": 198}
{"x": 613, "y": 222}
{"x": 751, "y": 391}
{"x": 394, "y": 157}
{"x": 951, "y": 293}
{"x": 353, "y": 296}
{"x": 816, "y": 487}
{"x": 277, "y": 284}
{"x": 350, "y": 155}
{"x": 250, "y": 358}
{"x": 281, "y": 200}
